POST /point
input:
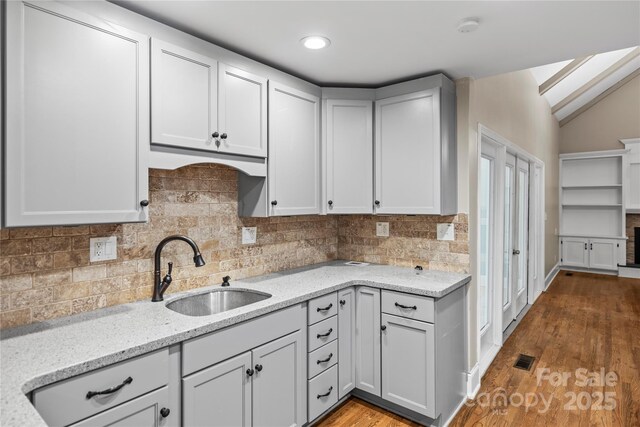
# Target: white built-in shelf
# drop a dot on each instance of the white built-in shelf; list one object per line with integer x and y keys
{"x": 591, "y": 236}
{"x": 592, "y": 205}
{"x": 588, "y": 187}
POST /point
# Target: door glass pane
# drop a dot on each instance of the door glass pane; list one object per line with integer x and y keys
{"x": 485, "y": 235}
{"x": 522, "y": 229}
{"x": 506, "y": 271}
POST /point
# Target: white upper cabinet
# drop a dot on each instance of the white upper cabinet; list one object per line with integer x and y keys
{"x": 415, "y": 153}
{"x": 201, "y": 104}
{"x": 349, "y": 156}
{"x": 242, "y": 112}
{"x": 294, "y": 163}
{"x": 184, "y": 94}
{"x": 77, "y": 128}
{"x": 632, "y": 175}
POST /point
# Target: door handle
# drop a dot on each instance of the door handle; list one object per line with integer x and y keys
{"x": 585, "y": 246}
{"x": 591, "y": 246}
{"x": 516, "y": 252}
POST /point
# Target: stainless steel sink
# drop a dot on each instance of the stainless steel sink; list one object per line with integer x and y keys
{"x": 216, "y": 301}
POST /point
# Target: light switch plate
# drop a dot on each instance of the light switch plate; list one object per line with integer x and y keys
{"x": 446, "y": 231}
{"x": 249, "y": 235}
{"x": 103, "y": 248}
{"x": 382, "y": 229}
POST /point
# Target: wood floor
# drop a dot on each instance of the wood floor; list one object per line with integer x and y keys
{"x": 584, "y": 321}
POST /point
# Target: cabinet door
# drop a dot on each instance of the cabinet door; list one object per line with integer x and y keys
{"x": 294, "y": 183}
{"x": 184, "y": 87}
{"x": 77, "y": 113}
{"x": 242, "y": 112}
{"x": 346, "y": 341}
{"x": 349, "y": 150}
{"x": 146, "y": 410}
{"x": 575, "y": 252}
{"x": 219, "y": 396}
{"x": 279, "y": 391}
{"x": 408, "y": 364}
{"x": 603, "y": 254}
{"x": 407, "y": 153}
{"x": 368, "y": 340}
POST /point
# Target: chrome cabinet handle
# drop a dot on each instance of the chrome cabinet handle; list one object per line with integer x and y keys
{"x": 325, "y": 360}
{"x": 111, "y": 390}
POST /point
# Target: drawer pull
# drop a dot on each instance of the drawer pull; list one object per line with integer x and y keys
{"x": 111, "y": 390}
{"x": 325, "y": 360}
{"x": 327, "y": 308}
{"x": 411, "y": 307}
{"x": 326, "y": 394}
{"x": 326, "y": 334}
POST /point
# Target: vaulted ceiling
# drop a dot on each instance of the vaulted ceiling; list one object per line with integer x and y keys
{"x": 573, "y": 86}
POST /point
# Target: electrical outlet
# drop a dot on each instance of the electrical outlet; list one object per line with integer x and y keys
{"x": 446, "y": 231}
{"x": 382, "y": 229}
{"x": 249, "y": 235}
{"x": 103, "y": 248}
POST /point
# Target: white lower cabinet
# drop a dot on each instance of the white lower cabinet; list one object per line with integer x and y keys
{"x": 408, "y": 368}
{"x": 368, "y": 340}
{"x": 346, "y": 341}
{"x": 262, "y": 387}
{"x": 219, "y": 396}
{"x": 278, "y": 382}
{"x": 597, "y": 253}
{"x": 149, "y": 410}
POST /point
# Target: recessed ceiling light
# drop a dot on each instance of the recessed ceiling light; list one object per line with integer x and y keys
{"x": 468, "y": 25}
{"x": 315, "y": 42}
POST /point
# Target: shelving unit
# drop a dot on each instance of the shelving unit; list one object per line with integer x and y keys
{"x": 592, "y": 213}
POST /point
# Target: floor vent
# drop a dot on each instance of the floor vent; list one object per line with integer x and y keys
{"x": 568, "y": 274}
{"x": 524, "y": 362}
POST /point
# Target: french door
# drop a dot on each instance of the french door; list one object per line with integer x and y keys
{"x": 516, "y": 239}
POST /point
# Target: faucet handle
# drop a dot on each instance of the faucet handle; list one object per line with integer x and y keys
{"x": 170, "y": 269}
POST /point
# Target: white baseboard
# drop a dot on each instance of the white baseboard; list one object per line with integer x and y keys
{"x": 473, "y": 381}
{"x": 552, "y": 275}
{"x": 629, "y": 272}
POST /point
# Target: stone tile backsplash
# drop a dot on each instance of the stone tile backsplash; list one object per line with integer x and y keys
{"x": 45, "y": 272}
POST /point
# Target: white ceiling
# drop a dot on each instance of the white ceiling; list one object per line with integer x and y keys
{"x": 582, "y": 76}
{"x": 377, "y": 42}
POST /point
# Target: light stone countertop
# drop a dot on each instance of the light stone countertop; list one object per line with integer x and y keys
{"x": 36, "y": 355}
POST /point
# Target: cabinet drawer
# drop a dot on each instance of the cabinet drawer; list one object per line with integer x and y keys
{"x": 322, "y": 358}
{"x": 322, "y": 308}
{"x": 65, "y": 402}
{"x": 409, "y": 306}
{"x": 322, "y": 333}
{"x": 323, "y": 392}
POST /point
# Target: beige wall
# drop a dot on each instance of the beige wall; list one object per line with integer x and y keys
{"x": 510, "y": 105}
{"x": 617, "y": 116}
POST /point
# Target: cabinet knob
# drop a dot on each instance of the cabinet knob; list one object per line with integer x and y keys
{"x": 274, "y": 202}
{"x": 165, "y": 412}
{"x": 250, "y": 372}
{"x": 377, "y": 202}
{"x": 383, "y": 327}
{"x": 258, "y": 367}
{"x": 223, "y": 136}
{"x": 330, "y": 202}
{"x": 144, "y": 203}
{"x": 342, "y": 302}
{"x": 516, "y": 252}
{"x": 215, "y": 135}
